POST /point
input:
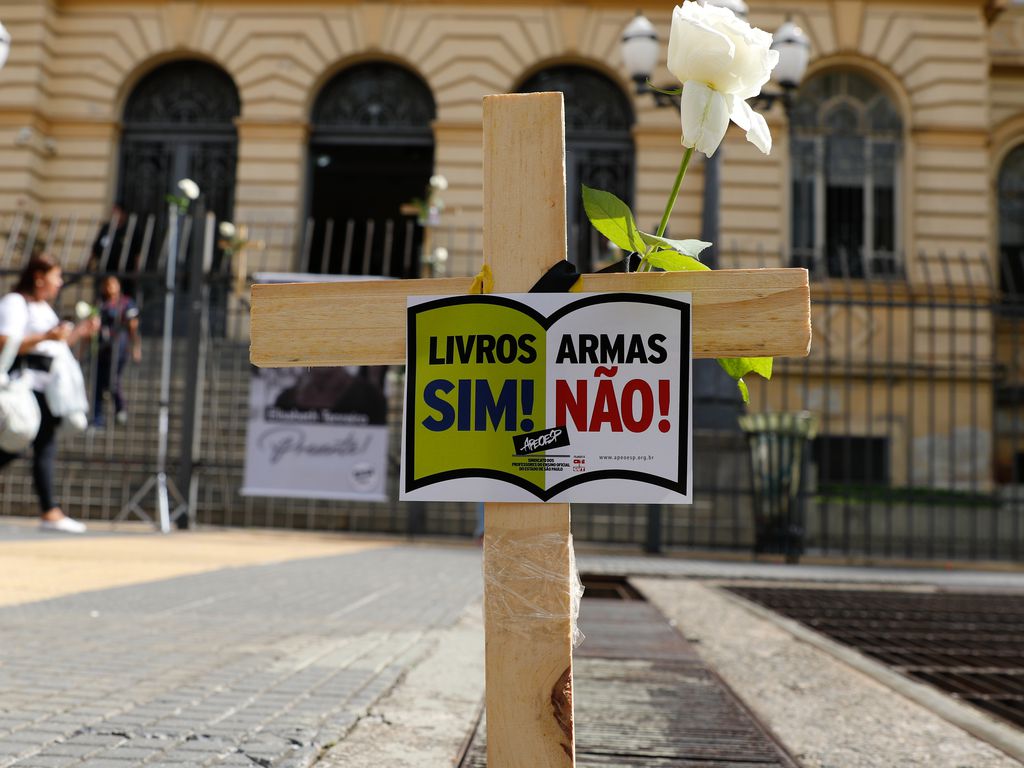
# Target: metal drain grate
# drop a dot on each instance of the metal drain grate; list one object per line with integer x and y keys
{"x": 644, "y": 699}
{"x": 968, "y": 645}
{"x": 604, "y": 587}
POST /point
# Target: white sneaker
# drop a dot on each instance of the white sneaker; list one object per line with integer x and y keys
{"x": 64, "y": 525}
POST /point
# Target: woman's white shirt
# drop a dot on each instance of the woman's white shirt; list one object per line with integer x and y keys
{"x": 20, "y": 318}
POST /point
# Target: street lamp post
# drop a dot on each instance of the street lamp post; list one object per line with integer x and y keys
{"x": 713, "y": 409}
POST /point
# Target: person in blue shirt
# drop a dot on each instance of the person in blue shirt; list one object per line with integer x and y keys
{"x": 119, "y": 331}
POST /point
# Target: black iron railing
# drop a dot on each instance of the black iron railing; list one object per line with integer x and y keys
{"x": 916, "y": 380}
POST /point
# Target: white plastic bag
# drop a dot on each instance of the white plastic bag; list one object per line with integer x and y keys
{"x": 19, "y": 411}
{"x": 65, "y": 391}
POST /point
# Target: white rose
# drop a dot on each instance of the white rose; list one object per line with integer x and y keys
{"x": 226, "y": 229}
{"x": 721, "y": 61}
{"x": 441, "y": 254}
{"x": 438, "y": 182}
{"x": 82, "y": 310}
{"x": 189, "y": 188}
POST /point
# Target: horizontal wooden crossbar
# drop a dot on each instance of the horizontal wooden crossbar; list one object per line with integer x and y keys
{"x": 736, "y": 313}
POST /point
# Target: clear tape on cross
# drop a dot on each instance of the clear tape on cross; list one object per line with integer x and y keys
{"x": 519, "y": 576}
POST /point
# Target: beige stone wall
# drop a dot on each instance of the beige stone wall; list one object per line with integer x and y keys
{"x": 952, "y": 445}
{"x": 279, "y": 59}
{"x": 74, "y": 62}
{"x": 957, "y": 80}
{"x": 23, "y": 83}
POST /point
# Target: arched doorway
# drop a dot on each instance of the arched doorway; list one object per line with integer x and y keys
{"x": 1010, "y": 192}
{"x": 598, "y": 148}
{"x": 179, "y": 122}
{"x": 370, "y": 151}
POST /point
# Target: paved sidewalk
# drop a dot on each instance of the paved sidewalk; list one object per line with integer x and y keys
{"x": 38, "y": 565}
{"x": 253, "y": 666}
{"x": 282, "y": 649}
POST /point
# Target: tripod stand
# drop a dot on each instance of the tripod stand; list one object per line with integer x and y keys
{"x": 159, "y": 481}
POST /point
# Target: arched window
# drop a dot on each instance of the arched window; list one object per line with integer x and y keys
{"x": 1011, "y": 225}
{"x": 179, "y": 122}
{"x": 598, "y": 147}
{"x": 846, "y": 146}
{"x": 370, "y": 151}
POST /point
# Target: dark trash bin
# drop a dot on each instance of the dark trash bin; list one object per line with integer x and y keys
{"x": 778, "y": 447}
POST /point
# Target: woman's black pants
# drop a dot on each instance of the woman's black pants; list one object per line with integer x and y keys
{"x": 44, "y": 452}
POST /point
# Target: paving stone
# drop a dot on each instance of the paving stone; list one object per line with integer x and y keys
{"x": 48, "y": 761}
{"x": 96, "y": 740}
{"x": 272, "y": 647}
{"x": 234, "y": 760}
{"x": 66, "y": 749}
{"x": 14, "y": 749}
{"x": 129, "y": 751}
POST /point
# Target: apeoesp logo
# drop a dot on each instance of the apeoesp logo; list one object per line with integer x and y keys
{"x": 541, "y": 440}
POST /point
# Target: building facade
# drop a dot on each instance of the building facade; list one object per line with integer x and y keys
{"x": 103, "y": 100}
{"x": 897, "y": 177}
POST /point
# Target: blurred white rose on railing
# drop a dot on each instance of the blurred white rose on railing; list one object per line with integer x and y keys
{"x": 234, "y": 242}
{"x": 236, "y": 239}
{"x": 189, "y": 192}
{"x": 84, "y": 310}
{"x": 189, "y": 188}
{"x": 428, "y": 208}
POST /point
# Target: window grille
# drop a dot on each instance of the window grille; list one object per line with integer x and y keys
{"x": 598, "y": 150}
{"x": 846, "y": 147}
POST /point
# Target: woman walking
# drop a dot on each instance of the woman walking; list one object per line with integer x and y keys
{"x": 26, "y": 314}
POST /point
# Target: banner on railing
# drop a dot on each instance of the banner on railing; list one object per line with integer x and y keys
{"x": 317, "y": 433}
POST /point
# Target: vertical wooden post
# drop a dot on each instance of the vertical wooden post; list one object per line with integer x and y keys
{"x": 527, "y": 550}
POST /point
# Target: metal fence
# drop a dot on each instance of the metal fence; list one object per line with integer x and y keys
{"x": 917, "y": 382}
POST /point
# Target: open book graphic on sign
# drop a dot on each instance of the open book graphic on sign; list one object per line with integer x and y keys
{"x": 553, "y": 397}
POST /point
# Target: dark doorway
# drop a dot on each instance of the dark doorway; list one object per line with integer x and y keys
{"x": 598, "y": 149}
{"x": 178, "y": 123}
{"x": 1011, "y": 226}
{"x": 371, "y": 151}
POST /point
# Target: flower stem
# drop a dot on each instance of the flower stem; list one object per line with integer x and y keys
{"x": 675, "y": 192}
{"x": 644, "y": 265}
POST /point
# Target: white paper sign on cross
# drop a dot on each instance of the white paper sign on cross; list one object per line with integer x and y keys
{"x": 735, "y": 313}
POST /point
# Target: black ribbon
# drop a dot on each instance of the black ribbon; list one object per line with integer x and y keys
{"x": 562, "y": 276}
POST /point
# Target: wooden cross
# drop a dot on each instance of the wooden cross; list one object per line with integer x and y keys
{"x": 735, "y": 313}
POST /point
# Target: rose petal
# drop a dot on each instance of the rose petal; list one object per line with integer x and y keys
{"x": 752, "y": 69}
{"x": 696, "y": 50}
{"x": 754, "y": 124}
{"x": 713, "y": 46}
{"x": 704, "y": 113}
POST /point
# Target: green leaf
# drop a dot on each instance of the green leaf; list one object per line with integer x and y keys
{"x": 612, "y": 218}
{"x": 672, "y": 261}
{"x": 690, "y": 248}
{"x": 744, "y": 392}
{"x": 668, "y": 92}
{"x": 738, "y": 367}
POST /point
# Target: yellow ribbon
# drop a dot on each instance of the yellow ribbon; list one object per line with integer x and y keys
{"x": 483, "y": 282}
